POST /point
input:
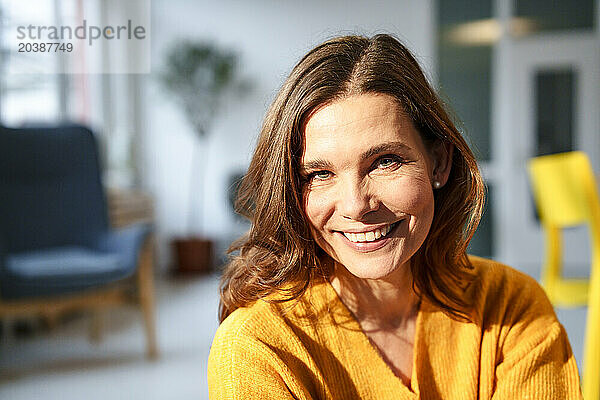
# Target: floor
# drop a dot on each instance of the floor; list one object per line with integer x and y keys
{"x": 64, "y": 365}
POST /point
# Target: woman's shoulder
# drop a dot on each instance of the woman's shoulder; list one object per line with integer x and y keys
{"x": 497, "y": 274}
{"x": 255, "y": 347}
{"x": 527, "y": 345}
{"x": 500, "y": 288}
{"x": 242, "y": 347}
{"x": 269, "y": 321}
{"x": 248, "y": 322}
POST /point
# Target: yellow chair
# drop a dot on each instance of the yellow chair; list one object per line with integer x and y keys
{"x": 566, "y": 195}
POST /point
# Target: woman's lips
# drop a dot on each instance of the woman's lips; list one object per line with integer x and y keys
{"x": 376, "y": 244}
{"x": 369, "y": 236}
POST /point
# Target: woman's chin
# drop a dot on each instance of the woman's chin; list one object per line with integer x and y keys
{"x": 370, "y": 271}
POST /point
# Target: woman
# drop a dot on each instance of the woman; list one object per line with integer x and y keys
{"x": 353, "y": 281}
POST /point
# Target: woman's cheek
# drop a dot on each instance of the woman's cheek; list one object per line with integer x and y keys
{"x": 314, "y": 212}
{"x": 410, "y": 195}
{"x": 314, "y": 208}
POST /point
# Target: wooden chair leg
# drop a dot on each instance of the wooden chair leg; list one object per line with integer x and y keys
{"x": 51, "y": 318}
{"x": 8, "y": 334}
{"x": 146, "y": 296}
{"x": 96, "y": 326}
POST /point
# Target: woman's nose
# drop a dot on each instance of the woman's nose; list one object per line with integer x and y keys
{"x": 355, "y": 200}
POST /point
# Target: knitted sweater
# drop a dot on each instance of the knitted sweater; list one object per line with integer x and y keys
{"x": 513, "y": 348}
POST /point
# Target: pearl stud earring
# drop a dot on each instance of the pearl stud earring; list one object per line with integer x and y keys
{"x": 437, "y": 184}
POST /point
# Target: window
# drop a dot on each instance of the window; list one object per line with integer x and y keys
{"x": 534, "y": 16}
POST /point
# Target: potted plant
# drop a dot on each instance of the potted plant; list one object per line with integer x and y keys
{"x": 198, "y": 74}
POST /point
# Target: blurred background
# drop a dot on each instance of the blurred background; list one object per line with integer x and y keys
{"x": 522, "y": 78}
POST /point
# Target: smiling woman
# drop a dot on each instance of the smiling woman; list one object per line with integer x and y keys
{"x": 354, "y": 281}
{"x": 379, "y": 178}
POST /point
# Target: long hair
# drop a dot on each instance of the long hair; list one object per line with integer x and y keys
{"x": 278, "y": 255}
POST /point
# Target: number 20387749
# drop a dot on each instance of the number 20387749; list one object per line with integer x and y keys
{"x": 45, "y": 47}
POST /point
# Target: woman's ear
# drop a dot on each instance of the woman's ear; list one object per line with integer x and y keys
{"x": 441, "y": 153}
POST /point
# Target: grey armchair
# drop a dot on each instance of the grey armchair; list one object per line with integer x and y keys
{"x": 57, "y": 251}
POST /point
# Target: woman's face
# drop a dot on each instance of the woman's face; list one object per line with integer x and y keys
{"x": 368, "y": 184}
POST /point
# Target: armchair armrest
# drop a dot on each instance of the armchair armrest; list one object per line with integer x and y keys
{"x": 126, "y": 241}
{"x": 2, "y": 255}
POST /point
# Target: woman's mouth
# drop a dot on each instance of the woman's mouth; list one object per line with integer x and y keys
{"x": 369, "y": 240}
{"x": 369, "y": 236}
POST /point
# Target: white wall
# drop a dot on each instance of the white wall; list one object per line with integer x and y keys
{"x": 270, "y": 36}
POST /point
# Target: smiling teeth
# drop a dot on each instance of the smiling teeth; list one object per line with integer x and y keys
{"x": 368, "y": 236}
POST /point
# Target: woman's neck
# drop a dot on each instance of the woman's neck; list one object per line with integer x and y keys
{"x": 387, "y": 303}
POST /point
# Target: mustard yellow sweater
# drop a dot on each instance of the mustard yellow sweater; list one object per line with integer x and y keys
{"x": 514, "y": 348}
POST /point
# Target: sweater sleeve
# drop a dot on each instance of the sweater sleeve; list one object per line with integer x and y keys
{"x": 535, "y": 359}
{"x": 241, "y": 367}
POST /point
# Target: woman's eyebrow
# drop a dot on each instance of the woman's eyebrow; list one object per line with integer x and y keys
{"x": 316, "y": 164}
{"x": 383, "y": 148}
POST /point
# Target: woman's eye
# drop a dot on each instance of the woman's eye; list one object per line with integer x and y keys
{"x": 316, "y": 177}
{"x": 387, "y": 162}
{"x": 321, "y": 175}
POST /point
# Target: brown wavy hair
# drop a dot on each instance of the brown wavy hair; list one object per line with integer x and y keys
{"x": 278, "y": 255}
